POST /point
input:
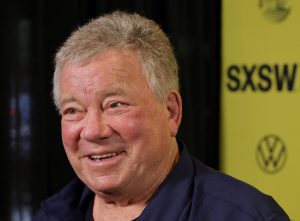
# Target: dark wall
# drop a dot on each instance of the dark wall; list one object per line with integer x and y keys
{"x": 32, "y": 160}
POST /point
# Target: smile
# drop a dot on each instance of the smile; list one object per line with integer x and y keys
{"x": 103, "y": 156}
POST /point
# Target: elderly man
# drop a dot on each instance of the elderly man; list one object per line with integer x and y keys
{"x": 116, "y": 88}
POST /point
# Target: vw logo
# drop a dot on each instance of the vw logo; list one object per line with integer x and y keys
{"x": 271, "y": 154}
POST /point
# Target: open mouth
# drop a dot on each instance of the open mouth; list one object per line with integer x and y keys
{"x": 104, "y": 156}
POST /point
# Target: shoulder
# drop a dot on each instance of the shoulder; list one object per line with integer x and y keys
{"x": 227, "y": 196}
{"x": 69, "y": 195}
{"x": 39, "y": 216}
{"x": 67, "y": 204}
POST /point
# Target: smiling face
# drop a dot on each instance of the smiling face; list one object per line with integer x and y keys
{"x": 118, "y": 137}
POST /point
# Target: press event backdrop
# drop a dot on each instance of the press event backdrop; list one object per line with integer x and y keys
{"x": 260, "y": 109}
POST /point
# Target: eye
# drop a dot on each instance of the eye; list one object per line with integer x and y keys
{"x": 115, "y": 105}
{"x": 70, "y": 111}
{"x": 72, "y": 114}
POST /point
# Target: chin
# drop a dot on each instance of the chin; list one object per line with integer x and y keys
{"x": 106, "y": 185}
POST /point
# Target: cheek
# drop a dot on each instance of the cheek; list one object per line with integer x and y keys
{"x": 128, "y": 128}
{"x": 139, "y": 127}
{"x": 70, "y": 134}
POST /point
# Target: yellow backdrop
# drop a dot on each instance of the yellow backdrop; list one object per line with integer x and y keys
{"x": 260, "y": 97}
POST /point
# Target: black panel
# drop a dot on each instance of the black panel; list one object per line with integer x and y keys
{"x": 32, "y": 160}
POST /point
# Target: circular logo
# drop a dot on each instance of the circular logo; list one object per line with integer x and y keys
{"x": 275, "y": 10}
{"x": 271, "y": 154}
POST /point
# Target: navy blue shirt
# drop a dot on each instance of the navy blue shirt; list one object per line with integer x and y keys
{"x": 191, "y": 192}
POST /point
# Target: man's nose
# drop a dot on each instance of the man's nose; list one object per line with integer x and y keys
{"x": 95, "y": 127}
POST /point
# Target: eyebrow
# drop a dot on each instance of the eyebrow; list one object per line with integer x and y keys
{"x": 115, "y": 91}
{"x": 68, "y": 100}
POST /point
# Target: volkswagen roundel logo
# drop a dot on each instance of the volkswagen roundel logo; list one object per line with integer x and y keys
{"x": 271, "y": 154}
{"x": 275, "y": 10}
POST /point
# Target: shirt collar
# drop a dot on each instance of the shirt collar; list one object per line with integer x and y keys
{"x": 174, "y": 193}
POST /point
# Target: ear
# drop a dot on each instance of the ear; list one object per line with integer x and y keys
{"x": 174, "y": 105}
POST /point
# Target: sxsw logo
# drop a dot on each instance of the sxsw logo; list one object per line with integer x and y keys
{"x": 262, "y": 77}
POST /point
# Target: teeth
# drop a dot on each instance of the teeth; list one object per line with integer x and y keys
{"x": 103, "y": 156}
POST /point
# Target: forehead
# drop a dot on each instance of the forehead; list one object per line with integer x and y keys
{"x": 114, "y": 63}
{"x": 108, "y": 69}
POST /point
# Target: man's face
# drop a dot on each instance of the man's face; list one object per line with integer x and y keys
{"x": 116, "y": 134}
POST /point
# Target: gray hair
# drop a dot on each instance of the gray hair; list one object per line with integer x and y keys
{"x": 123, "y": 31}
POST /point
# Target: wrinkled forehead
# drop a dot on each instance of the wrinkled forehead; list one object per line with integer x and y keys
{"x": 121, "y": 62}
{"x": 111, "y": 67}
